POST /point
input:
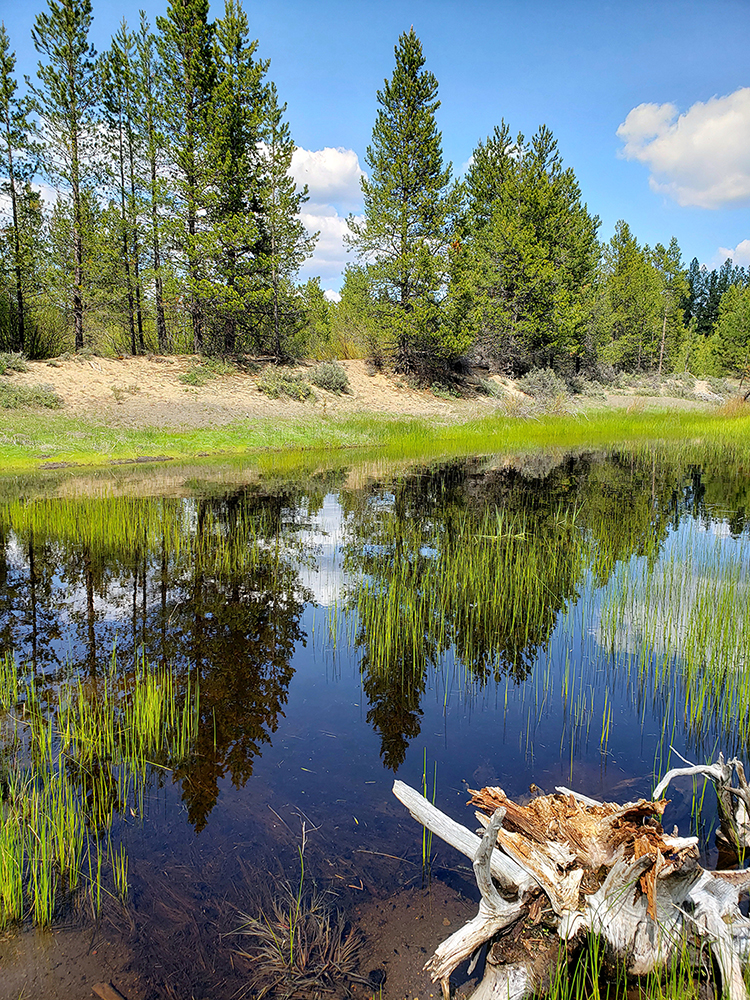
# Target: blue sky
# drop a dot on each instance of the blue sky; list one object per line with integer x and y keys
{"x": 672, "y": 77}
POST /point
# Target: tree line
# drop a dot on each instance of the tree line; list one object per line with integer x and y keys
{"x": 177, "y": 224}
{"x": 177, "y": 221}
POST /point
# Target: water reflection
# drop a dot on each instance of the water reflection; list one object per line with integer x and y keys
{"x": 476, "y": 568}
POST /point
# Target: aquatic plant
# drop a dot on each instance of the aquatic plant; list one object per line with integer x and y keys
{"x": 301, "y": 947}
{"x": 70, "y": 765}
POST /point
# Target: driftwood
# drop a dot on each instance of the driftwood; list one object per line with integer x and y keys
{"x": 565, "y": 865}
{"x": 733, "y": 799}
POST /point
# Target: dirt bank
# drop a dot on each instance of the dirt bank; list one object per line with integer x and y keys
{"x": 138, "y": 392}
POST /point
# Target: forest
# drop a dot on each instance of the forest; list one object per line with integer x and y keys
{"x": 176, "y": 225}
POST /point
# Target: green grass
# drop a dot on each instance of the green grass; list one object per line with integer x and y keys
{"x": 32, "y": 440}
{"x": 69, "y": 762}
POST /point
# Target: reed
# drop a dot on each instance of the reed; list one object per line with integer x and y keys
{"x": 73, "y": 764}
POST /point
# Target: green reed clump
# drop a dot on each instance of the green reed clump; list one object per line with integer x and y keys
{"x": 70, "y": 767}
{"x": 683, "y": 622}
{"x": 591, "y": 974}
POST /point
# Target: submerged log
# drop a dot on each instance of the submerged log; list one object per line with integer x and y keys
{"x": 566, "y": 865}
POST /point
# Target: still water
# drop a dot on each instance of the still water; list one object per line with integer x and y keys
{"x": 502, "y": 621}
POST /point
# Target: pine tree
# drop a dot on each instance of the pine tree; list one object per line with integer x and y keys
{"x": 64, "y": 99}
{"x": 409, "y": 206}
{"x": 528, "y": 252}
{"x": 186, "y": 49}
{"x": 285, "y": 244}
{"x": 234, "y": 163}
{"x": 15, "y": 147}
{"x": 118, "y": 77}
{"x": 150, "y": 85}
{"x": 673, "y": 289}
{"x": 632, "y": 289}
{"x": 491, "y": 169}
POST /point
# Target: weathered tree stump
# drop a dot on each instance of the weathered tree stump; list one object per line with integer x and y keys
{"x": 564, "y": 865}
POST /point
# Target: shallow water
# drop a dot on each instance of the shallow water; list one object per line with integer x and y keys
{"x": 332, "y": 657}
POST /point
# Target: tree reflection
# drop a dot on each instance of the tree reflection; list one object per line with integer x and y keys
{"x": 479, "y": 562}
{"x": 209, "y": 586}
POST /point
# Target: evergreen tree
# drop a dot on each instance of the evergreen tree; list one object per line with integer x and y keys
{"x": 409, "y": 205}
{"x": 730, "y": 342}
{"x": 234, "y": 134}
{"x": 64, "y": 99}
{"x": 118, "y": 79}
{"x": 150, "y": 117}
{"x": 491, "y": 170}
{"x": 186, "y": 49}
{"x": 632, "y": 289}
{"x": 673, "y": 290}
{"x": 528, "y": 252}
{"x": 285, "y": 244}
{"x": 353, "y": 319}
{"x": 15, "y": 147}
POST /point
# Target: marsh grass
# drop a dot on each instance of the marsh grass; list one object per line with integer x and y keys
{"x": 70, "y": 766}
{"x": 299, "y": 947}
{"x": 30, "y": 438}
{"x": 683, "y": 624}
{"x": 592, "y": 975}
{"x": 117, "y": 527}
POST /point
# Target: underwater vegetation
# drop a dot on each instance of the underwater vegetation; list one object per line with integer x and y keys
{"x": 73, "y": 757}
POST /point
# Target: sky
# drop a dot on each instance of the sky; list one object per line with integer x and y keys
{"x": 649, "y": 101}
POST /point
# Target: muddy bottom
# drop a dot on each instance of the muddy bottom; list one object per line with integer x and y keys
{"x": 65, "y": 964}
{"x": 399, "y": 932}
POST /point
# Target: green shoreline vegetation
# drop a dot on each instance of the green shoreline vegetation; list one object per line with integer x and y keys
{"x": 36, "y": 442}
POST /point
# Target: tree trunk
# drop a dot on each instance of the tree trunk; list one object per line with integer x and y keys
{"x": 663, "y": 339}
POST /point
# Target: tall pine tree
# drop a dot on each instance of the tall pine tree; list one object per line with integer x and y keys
{"x": 150, "y": 81}
{"x": 64, "y": 98}
{"x": 15, "y": 147}
{"x": 234, "y": 166}
{"x": 409, "y": 206}
{"x": 284, "y": 242}
{"x": 186, "y": 49}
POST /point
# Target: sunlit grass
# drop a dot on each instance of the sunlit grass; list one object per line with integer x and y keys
{"x": 68, "y": 765}
{"x": 33, "y": 440}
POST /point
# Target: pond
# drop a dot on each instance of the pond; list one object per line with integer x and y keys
{"x": 269, "y": 654}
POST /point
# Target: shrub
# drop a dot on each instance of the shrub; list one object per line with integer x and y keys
{"x": 542, "y": 383}
{"x": 487, "y": 387}
{"x": 331, "y": 376}
{"x": 277, "y": 384}
{"x": 720, "y": 386}
{"x": 12, "y": 361}
{"x": 205, "y": 370}
{"x": 14, "y": 397}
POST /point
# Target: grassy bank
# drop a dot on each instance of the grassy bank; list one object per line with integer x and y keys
{"x": 34, "y": 441}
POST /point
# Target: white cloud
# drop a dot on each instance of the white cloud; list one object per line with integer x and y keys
{"x": 700, "y": 157}
{"x": 740, "y": 255}
{"x": 331, "y": 295}
{"x": 332, "y": 175}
